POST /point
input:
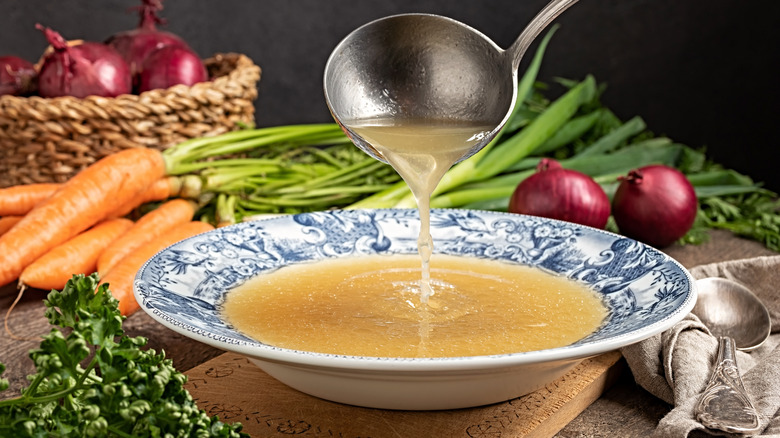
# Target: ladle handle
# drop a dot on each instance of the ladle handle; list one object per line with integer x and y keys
{"x": 535, "y": 27}
{"x": 724, "y": 404}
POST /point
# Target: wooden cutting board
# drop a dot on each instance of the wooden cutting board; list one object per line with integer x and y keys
{"x": 233, "y": 388}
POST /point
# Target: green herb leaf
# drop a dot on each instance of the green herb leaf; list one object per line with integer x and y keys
{"x": 92, "y": 380}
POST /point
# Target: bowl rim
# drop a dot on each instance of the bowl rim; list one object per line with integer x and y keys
{"x": 474, "y": 364}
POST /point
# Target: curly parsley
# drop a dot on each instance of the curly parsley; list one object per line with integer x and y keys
{"x": 92, "y": 380}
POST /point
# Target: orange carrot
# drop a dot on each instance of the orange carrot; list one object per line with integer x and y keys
{"x": 19, "y": 200}
{"x": 159, "y": 190}
{"x": 7, "y": 222}
{"x": 148, "y": 227}
{"x": 120, "y": 278}
{"x": 76, "y": 256}
{"x": 81, "y": 202}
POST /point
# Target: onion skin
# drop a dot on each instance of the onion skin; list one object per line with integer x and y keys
{"x": 17, "y": 76}
{"x": 137, "y": 44}
{"x": 86, "y": 69}
{"x": 171, "y": 66}
{"x": 564, "y": 194}
{"x": 655, "y": 204}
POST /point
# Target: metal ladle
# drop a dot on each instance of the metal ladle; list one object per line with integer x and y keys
{"x": 428, "y": 67}
{"x": 739, "y": 319}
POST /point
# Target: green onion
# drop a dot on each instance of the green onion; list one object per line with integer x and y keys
{"x": 616, "y": 137}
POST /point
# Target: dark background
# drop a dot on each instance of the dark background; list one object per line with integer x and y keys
{"x": 703, "y": 72}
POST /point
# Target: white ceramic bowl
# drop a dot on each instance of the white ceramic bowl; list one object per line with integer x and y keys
{"x": 646, "y": 292}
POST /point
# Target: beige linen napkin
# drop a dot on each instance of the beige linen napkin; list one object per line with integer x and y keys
{"x": 676, "y": 364}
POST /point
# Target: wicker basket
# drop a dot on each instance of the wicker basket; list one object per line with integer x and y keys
{"x": 49, "y": 140}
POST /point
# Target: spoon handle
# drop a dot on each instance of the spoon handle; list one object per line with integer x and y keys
{"x": 724, "y": 404}
{"x": 537, "y": 24}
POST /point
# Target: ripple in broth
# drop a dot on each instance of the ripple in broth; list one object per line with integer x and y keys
{"x": 370, "y": 306}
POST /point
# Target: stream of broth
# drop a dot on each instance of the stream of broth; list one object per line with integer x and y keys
{"x": 421, "y": 151}
{"x": 366, "y": 307}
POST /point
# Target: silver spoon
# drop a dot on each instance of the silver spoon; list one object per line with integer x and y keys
{"x": 739, "y": 319}
{"x": 427, "y": 66}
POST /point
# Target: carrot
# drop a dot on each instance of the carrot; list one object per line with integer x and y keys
{"x": 19, "y": 200}
{"x": 7, "y": 222}
{"x": 76, "y": 256}
{"x": 120, "y": 278}
{"x": 148, "y": 227}
{"x": 159, "y": 190}
{"x": 81, "y": 202}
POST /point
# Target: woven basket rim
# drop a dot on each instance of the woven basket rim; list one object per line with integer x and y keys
{"x": 245, "y": 73}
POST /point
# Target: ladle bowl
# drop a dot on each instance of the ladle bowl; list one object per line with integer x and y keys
{"x": 424, "y": 66}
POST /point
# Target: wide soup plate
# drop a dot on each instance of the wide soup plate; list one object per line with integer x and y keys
{"x": 645, "y": 291}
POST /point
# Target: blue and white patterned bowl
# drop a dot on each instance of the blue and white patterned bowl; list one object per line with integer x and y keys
{"x": 646, "y": 291}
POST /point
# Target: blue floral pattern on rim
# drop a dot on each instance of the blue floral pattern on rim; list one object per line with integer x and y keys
{"x": 185, "y": 284}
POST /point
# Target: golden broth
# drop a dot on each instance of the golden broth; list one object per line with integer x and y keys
{"x": 421, "y": 151}
{"x": 370, "y": 306}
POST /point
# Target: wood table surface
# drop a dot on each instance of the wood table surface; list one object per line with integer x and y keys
{"x": 625, "y": 410}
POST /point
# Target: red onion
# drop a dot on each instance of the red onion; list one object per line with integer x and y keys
{"x": 17, "y": 76}
{"x": 558, "y": 193}
{"x": 137, "y": 44}
{"x": 82, "y": 70}
{"x": 171, "y": 66}
{"x": 655, "y": 204}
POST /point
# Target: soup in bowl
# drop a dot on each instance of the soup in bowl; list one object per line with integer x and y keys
{"x": 329, "y": 303}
